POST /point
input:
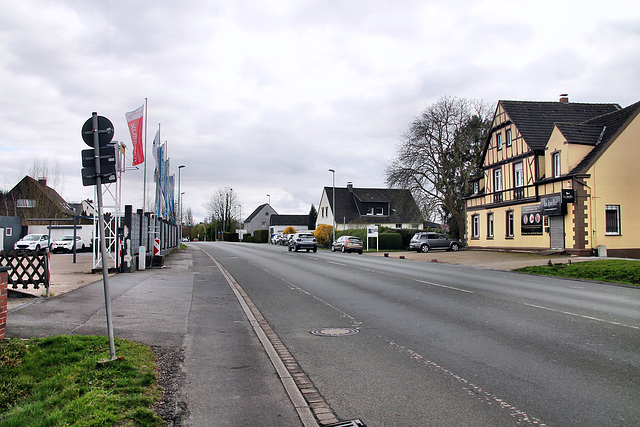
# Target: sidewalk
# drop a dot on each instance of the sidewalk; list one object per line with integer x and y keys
{"x": 212, "y": 365}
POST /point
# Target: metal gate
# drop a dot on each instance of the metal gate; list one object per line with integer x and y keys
{"x": 556, "y": 224}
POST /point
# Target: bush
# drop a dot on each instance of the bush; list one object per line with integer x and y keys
{"x": 289, "y": 230}
{"x": 323, "y": 234}
{"x": 261, "y": 236}
{"x": 230, "y": 237}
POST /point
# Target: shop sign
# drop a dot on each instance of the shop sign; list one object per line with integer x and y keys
{"x": 568, "y": 195}
{"x": 531, "y": 220}
{"x": 552, "y": 205}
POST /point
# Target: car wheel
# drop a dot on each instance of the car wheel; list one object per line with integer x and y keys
{"x": 424, "y": 249}
{"x": 333, "y": 248}
{"x": 308, "y": 249}
{"x": 37, "y": 247}
{"x": 360, "y": 252}
{"x": 315, "y": 250}
{"x": 344, "y": 249}
{"x": 455, "y": 247}
{"x": 289, "y": 248}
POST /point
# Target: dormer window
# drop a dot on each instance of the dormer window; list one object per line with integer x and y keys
{"x": 379, "y": 211}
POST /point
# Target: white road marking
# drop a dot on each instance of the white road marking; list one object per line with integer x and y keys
{"x": 445, "y": 286}
{"x": 568, "y": 313}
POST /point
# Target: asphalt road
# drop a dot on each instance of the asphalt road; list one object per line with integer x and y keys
{"x": 448, "y": 345}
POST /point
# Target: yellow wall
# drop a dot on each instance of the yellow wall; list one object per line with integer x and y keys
{"x": 615, "y": 181}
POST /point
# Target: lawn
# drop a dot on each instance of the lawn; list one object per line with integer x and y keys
{"x": 619, "y": 271}
{"x": 65, "y": 380}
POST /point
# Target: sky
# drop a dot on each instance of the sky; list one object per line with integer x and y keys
{"x": 265, "y": 96}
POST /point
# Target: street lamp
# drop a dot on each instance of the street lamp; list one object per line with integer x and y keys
{"x": 240, "y": 221}
{"x": 333, "y": 207}
{"x": 180, "y": 205}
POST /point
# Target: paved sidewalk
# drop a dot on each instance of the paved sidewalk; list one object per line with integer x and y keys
{"x": 187, "y": 308}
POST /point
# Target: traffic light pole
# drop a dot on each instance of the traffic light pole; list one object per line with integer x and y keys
{"x": 103, "y": 246}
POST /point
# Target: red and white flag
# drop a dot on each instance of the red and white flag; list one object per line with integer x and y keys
{"x": 134, "y": 120}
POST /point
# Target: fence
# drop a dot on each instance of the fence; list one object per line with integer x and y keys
{"x": 139, "y": 230}
{"x": 26, "y": 268}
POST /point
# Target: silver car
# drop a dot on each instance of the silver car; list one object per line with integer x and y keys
{"x": 303, "y": 241}
{"x": 33, "y": 242}
{"x": 426, "y": 241}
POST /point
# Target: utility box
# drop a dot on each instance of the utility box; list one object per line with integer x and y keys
{"x": 602, "y": 251}
{"x": 142, "y": 258}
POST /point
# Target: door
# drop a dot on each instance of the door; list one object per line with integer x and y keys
{"x": 556, "y": 224}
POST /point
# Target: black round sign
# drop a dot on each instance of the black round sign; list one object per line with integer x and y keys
{"x": 105, "y": 131}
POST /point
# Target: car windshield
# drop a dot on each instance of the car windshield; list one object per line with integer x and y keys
{"x": 63, "y": 238}
{"x": 32, "y": 237}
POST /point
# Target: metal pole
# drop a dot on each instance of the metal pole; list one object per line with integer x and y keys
{"x": 179, "y": 207}
{"x": 103, "y": 247}
{"x": 333, "y": 207}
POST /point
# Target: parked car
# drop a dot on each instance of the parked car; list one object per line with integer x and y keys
{"x": 426, "y": 241}
{"x": 33, "y": 242}
{"x": 65, "y": 244}
{"x": 275, "y": 239}
{"x": 348, "y": 244}
{"x": 303, "y": 241}
{"x": 284, "y": 240}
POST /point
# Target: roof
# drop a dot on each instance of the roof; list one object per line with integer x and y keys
{"x": 403, "y": 206}
{"x": 28, "y": 184}
{"x": 290, "y": 220}
{"x": 609, "y": 125}
{"x": 580, "y": 134}
{"x": 257, "y": 211}
{"x": 536, "y": 120}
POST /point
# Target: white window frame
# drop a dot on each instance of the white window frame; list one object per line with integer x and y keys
{"x": 518, "y": 174}
{"x": 508, "y": 137}
{"x": 510, "y": 224}
{"x": 475, "y": 226}
{"x": 490, "y": 225}
{"x": 499, "y": 140}
{"x": 497, "y": 180}
{"x": 556, "y": 164}
{"x": 616, "y": 209}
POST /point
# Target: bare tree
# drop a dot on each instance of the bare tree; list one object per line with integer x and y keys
{"x": 437, "y": 157}
{"x": 222, "y": 208}
{"x": 41, "y": 169}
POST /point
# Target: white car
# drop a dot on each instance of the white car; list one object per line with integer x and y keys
{"x": 32, "y": 242}
{"x": 65, "y": 244}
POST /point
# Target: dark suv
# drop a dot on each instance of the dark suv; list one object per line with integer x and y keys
{"x": 425, "y": 241}
{"x": 303, "y": 241}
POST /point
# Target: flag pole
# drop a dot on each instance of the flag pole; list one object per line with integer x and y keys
{"x": 144, "y": 185}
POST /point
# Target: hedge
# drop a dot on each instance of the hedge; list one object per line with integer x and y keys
{"x": 261, "y": 236}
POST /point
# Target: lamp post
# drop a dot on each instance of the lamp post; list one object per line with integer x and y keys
{"x": 240, "y": 222}
{"x": 180, "y": 206}
{"x": 333, "y": 206}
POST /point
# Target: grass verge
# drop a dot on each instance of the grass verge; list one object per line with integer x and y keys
{"x": 64, "y": 380}
{"x": 619, "y": 271}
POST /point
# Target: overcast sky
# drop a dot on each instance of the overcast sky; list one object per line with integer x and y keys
{"x": 266, "y": 96}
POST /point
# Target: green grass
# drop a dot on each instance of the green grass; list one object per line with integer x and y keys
{"x": 619, "y": 271}
{"x": 64, "y": 381}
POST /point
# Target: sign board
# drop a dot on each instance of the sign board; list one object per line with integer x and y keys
{"x": 531, "y": 220}
{"x": 156, "y": 247}
{"x": 568, "y": 195}
{"x": 551, "y": 205}
{"x": 105, "y": 131}
{"x": 372, "y": 231}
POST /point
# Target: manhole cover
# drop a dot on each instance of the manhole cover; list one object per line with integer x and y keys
{"x": 335, "y": 332}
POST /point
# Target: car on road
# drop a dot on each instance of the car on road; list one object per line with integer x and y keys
{"x": 303, "y": 241}
{"x": 32, "y": 242}
{"x": 348, "y": 244}
{"x": 426, "y": 241}
{"x": 65, "y": 244}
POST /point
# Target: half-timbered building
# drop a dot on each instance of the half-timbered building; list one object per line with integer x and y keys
{"x": 558, "y": 175}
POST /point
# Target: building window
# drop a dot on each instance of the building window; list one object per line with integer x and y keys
{"x": 508, "y": 137}
{"x": 476, "y": 187}
{"x": 398, "y": 226}
{"x": 509, "y": 224}
{"x": 490, "y": 225}
{"x": 379, "y": 211}
{"x": 475, "y": 226}
{"x": 25, "y": 203}
{"x": 497, "y": 180}
{"x": 8, "y": 232}
{"x": 556, "y": 164}
{"x": 612, "y": 213}
{"x": 499, "y": 141}
{"x": 518, "y": 174}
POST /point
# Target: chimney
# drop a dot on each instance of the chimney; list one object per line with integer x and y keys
{"x": 43, "y": 180}
{"x": 564, "y": 98}
{"x": 350, "y": 186}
